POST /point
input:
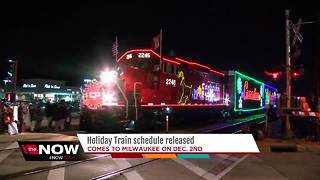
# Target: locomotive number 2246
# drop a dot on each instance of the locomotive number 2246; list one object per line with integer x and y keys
{"x": 171, "y": 82}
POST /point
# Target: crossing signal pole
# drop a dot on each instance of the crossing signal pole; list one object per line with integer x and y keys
{"x": 295, "y": 28}
{"x": 288, "y": 71}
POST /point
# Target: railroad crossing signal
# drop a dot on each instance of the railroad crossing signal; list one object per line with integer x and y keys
{"x": 296, "y": 29}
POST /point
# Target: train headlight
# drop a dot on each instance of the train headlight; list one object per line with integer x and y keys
{"x": 108, "y": 76}
{"x": 109, "y": 98}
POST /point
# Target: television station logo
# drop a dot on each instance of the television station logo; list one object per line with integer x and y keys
{"x": 51, "y": 150}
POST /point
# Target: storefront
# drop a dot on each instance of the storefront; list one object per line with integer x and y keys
{"x": 2, "y": 92}
{"x": 47, "y": 90}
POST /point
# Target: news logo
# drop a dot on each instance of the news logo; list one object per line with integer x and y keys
{"x": 51, "y": 150}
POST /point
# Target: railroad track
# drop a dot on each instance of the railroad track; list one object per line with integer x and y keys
{"x": 122, "y": 171}
{"x": 8, "y": 149}
{"x": 234, "y": 128}
{"x": 48, "y": 168}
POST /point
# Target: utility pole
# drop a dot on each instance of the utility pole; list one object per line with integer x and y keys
{"x": 160, "y": 64}
{"x": 288, "y": 71}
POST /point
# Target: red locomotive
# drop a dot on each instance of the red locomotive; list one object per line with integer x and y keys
{"x": 146, "y": 89}
{"x": 144, "y": 82}
{"x": 177, "y": 82}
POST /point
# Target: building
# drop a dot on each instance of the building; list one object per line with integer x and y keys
{"x": 2, "y": 94}
{"x": 47, "y": 90}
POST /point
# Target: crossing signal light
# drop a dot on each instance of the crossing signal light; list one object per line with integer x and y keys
{"x": 295, "y": 74}
{"x": 274, "y": 75}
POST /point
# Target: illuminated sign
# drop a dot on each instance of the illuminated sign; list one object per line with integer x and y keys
{"x": 248, "y": 93}
{"x": 6, "y": 81}
{"x": 270, "y": 94}
{"x": 49, "y": 86}
{"x": 251, "y": 94}
{"x": 29, "y": 86}
{"x": 87, "y": 81}
{"x": 209, "y": 92}
{"x": 92, "y": 96}
{"x": 96, "y": 96}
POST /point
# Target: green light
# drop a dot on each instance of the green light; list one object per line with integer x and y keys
{"x": 234, "y": 95}
{"x": 247, "y": 77}
{"x": 261, "y": 94}
{"x": 10, "y": 74}
{"x": 239, "y": 85}
{"x": 267, "y": 96}
{"x": 247, "y": 110}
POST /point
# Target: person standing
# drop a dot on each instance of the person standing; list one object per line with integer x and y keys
{"x": 55, "y": 115}
{"x": 20, "y": 117}
{"x": 313, "y": 103}
{"x": 38, "y": 117}
{"x": 62, "y": 115}
{"x": 49, "y": 114}
{"x": 304, "y": 104}
{"x": 32, "y": 117}
{"x": 10, "y": 121}
{"x": 59, "y": 116}
{"x": 68, "y": 110}
{"x": 26, "y": 118}
{"x": 1, "y": 117}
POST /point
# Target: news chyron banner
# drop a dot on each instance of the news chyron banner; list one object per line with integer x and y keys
{"x": 139, "y": 146}
{"x": 167, "y": 145}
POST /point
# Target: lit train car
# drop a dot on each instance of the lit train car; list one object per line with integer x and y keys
{"x": 177, "y": 82}
{"x": 144, "y": 89}
{"x": 247, "y": 95}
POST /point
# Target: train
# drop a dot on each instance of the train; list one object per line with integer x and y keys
{"x": 144, "y": 90}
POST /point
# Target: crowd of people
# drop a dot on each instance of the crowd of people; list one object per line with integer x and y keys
{"x": 35, "y": 116}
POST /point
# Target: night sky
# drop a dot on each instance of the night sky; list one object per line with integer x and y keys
{"x": 71, "y": 41}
